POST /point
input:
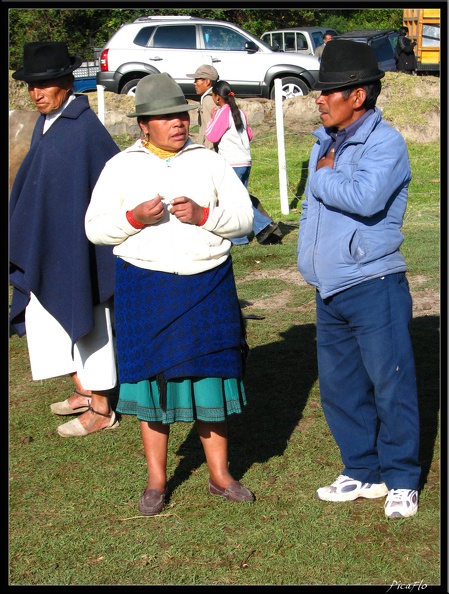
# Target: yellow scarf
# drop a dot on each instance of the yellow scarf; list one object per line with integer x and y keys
{"x": 161, "y": 153}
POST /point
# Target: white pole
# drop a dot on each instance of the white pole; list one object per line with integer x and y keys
{"x": 100, "y": 98}
{"x": 281, "y": 145}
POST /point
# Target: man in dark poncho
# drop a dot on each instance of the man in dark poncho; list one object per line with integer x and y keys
{"x": 63, "y": 285}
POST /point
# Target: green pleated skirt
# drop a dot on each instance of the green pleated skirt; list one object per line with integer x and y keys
{"x": 209, "y": 399}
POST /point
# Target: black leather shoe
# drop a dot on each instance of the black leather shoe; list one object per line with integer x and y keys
{"x": 270, "y": 235}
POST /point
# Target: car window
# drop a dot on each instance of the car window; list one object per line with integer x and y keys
{"x": 393, "y": 39}
{"x": 277, "y": 37}
{"x": 301, "y": 41}
{"x": 317, "y": 37}
{"x": 289, "y": 40}
{"x": 430, "y": 35}
{"x": 143, "y": 36}
{"x": 383, "y": 49}
{"x": 177, "y": 37}
{"x": 222, "y": 38}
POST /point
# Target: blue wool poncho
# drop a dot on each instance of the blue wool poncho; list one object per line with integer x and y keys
{"x": 50, "y": 254}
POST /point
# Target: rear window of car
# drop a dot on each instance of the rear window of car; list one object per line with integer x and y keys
{"x": 143, "y": 36}
{"x": 175, "y": 37}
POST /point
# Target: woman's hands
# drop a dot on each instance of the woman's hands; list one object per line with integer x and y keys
{"x": 186, "y": 210}
{"x": 152, "y": 211}
{"x": 149, "y": 212}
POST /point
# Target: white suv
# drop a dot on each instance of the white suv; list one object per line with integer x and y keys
{"x": 178, "y": 45}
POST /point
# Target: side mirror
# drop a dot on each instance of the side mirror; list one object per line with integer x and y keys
{"x": 251, "y": 47}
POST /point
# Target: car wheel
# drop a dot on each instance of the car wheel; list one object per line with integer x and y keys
{"x": 130, "y": 87}
{"x": 291, "y": 87}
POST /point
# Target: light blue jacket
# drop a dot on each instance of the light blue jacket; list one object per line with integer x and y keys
{"x": 350, "y": 225}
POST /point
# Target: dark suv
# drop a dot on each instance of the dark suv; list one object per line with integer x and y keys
{"x": 383, "y": 42}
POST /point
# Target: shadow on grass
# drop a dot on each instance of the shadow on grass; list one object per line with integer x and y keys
{"x": 301, "y": 187}
{"x": 425, "y": 333}
{"x": 279, "y": 378}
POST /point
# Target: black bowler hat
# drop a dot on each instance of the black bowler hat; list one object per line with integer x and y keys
{"x": 346, "y": 64}
{"x": 45, "y": 60}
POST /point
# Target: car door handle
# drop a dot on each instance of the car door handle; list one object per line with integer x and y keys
{"x": 156, "y": 59}
{"x": 215, "y": 60}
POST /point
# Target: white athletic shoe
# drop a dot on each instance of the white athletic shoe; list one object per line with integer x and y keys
{"x": 401, "y": 503}
{"x": 348, "y": 489}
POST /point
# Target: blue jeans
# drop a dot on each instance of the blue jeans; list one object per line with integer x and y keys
{"x": 260, "y": 221}
{"x": 368, "y": 382}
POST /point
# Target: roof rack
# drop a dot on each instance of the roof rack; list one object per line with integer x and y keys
{"x": 163, "y": 18}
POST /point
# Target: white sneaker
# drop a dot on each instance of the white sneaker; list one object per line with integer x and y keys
{"x": 348, "y": 489}
{"x": 401, "y": 503}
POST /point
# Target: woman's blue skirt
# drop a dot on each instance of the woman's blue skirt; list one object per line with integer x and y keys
{"x": 180, "y": 344}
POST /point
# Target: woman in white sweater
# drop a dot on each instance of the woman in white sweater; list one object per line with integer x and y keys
{"x": 170, "y": 207}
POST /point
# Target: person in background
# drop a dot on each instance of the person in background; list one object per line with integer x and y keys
{"x": 231, "y": 134}
{"x": 349, "y": 249}
{"x": 63, "y": 286}
{"x": 404, "y": 54}
{"x": 326, "y": 38}
{"x": 170, "y": 208}
{"x": 205, "y": 76}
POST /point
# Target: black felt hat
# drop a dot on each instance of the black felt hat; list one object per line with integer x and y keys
{"x": 45, "y": 60}
{"x": 346, "y": 64}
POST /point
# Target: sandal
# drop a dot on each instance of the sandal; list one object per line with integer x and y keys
{"x": 64, "y": 408}
{"x": 74, "y": 428}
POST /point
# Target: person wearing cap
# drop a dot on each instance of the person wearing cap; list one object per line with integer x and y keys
{"x": 63, "y": 286}
{"x": 349, "y": 249}
{"x": 204, "y": 78}
{"x": 170, "y": 208}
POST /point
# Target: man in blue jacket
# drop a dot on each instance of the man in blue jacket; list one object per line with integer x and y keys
{"x": 348, "y": 248}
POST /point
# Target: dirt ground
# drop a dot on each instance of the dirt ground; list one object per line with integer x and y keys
{"x": 425, "y": 302}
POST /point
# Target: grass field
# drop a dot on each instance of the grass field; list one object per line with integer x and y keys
{"x": 73, "y": 516}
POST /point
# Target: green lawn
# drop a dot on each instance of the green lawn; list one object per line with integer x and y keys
{"x": 73, "y": 517}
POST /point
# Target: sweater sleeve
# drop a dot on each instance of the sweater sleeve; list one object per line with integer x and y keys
{"x": 218, "y": 125}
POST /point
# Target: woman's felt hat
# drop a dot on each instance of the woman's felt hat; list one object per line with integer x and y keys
{"x": 159, "y": 94}
{"x": 347, "y": 64}
{"x": 46, "y": 60}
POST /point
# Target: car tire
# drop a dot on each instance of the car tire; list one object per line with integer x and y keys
{"x": 129, "y": 88}
{"x": 291, "y": 87}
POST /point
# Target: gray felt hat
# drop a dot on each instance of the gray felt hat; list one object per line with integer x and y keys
{"x": 159, "y": 94}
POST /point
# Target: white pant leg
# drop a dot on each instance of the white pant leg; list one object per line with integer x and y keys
{"x": 49, "y": 348}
